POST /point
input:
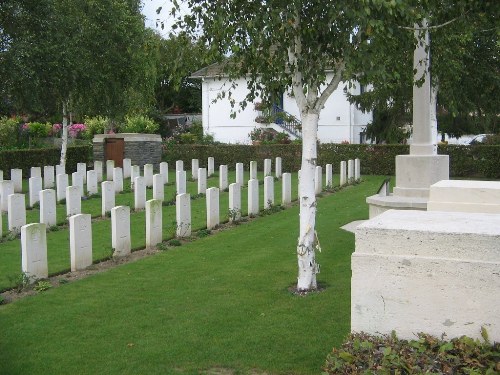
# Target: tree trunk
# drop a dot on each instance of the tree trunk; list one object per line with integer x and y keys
{"x": 306, "y": 243}
{"x": 64, "y": 137}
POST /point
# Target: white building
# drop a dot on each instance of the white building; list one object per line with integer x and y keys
{"x": 340, "y": 121}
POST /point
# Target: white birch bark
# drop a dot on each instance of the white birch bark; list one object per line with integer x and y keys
{"x": 64, "y": 137}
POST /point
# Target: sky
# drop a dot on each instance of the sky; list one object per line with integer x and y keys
{"x": 149, "y": 11}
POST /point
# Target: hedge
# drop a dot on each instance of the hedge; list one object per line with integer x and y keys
{"x": 465, "y": 161}
{"x": 27, "y": 158}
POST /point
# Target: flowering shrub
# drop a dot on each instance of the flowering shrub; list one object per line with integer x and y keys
{"x": 56, "y": 130}
{"x": 75, "y": 130}
{"x": 268, "y": 136}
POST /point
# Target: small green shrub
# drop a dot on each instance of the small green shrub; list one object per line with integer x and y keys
{"x": 95, "y": 125}
{"x": 20, "y": 281}
{"x": 2, "y": 300}
{"x": 42, "y": 286}
{"x": 174, "y": 242}
{"x": 139, "y": 124}
{"x": 8, "y": 132}
{"x": 203, "y": 233}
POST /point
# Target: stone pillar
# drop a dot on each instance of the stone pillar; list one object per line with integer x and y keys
{"x": 82, "y": 169}
{"x": 34, "y": 251}
{"x": 223, "y": 180}
{"x": 127, "y": 164}
{"x": 268, "y": 191}
{"x": 139, "y": 193}
{"x": 120, "y": 230}
{"x": 318, "y": 180}
{"x": 253, "y": 170}
{"x": 343, "y": 173}
{"x": 73, "y": 201}
{"x": 35, "y": 186}
{"x": 286, "y": 187}
{"x": 16, "y": 176}
{"x": 357, "y": 169}
{"x": 240, "y": 179}
{"x": 202, "y": 180}
{"x": 61, "y": 185}
{"x": 108, "y": 197}
{"x": 6, "y": 189}
{"x": 277, "y": 167}
{"x": 329, "y": 176}
{"x": 210, "y": 166}
{"x": 48, "y": 177}
{"x": 77, "y": 180}
{"x": 36, "y": 172}
{"x": 110, "y": 164}
{"x": 48, "y": 207}
{"x": 80, "y": 241}
{"x": 253, "y": 197}
{"x": 135, "y": 171}
{"x": 148, "y": 175}
{"x": 158, "y": 187}
{"x": 267, "y": 167}
{"x": 154, "y": 234}
{"x": 17, "y": 212}
{"x": 179, "y": 165}
{"x": 118, "y": 179}
{"x": 180, "y": 182}
{"x": 164, "y": 171}
{"x": 212, "y": 208}
{"x": 195, "y": 165}
{"x": 98, "y": 170}
{"x": 234, "y": 202}
{"x": 183, "y": 215}
{"x": 350, "y": 171}
{"x": 92, "y": 182}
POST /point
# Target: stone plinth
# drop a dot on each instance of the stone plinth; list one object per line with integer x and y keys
{"x": 432, "y": 272}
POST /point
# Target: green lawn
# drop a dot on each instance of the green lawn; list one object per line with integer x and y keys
{"x": 219, "y": 302}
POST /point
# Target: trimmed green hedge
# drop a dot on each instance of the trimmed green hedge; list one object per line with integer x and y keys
{"x": 465, "y": 161}
{"x": 27, "y": 158}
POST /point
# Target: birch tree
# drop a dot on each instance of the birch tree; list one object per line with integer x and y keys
{"x": 291, "y": 45}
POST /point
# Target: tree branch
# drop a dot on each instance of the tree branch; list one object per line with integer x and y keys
{"x": 297, "y": 81}
{"x": 332, "y": 86}
{"x": 433, "y": 27}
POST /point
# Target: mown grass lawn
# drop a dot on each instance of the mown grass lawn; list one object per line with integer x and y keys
{"x": 219, "y": 302}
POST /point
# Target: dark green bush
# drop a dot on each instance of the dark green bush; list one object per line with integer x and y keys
{"x": 366, "y": 354}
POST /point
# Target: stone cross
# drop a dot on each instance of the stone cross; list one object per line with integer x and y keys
{"x": 318, "y": 180}
{"x": 234, "y": 202}
{"x": 61, "y": 185}
{"x": 48, "y": 207}
{"x": 210, "y": 166}
{"x": 73, "y": 201}
{"x": 329, "y": 176}
{"x": 34, "y": 251}
{"x": 277, "y": 167}
{"x": 82, "y": 169}
{"x": 183, "y": 215}
{"x": 253, "y": 170}
{"x": 35, "y": 185}
{"x": 92, "y": 182}
{"x": 343, "y": 173}
{"x": 180, "y": 182}
{"x": 223, "y": 180}
{"x": 154, "y": 234}
{"x": 253, "y": 197}
{"x": 48, "y": 176}
{"x": 98, "y": 170}
{"x": 120, "y": 230}
{"x": 148, "y": 175}
{"x": 80, "y": 241}
{"x": 195, "y": 165}
{"x": 212, "y": 207}
{"x": 158, "y": 187}
{"x": 118, "y": 179}
{"x": 108, "y": 197}
{"x": 268, "y": 192}
{"x": 36, "y": 172}
{"x": 240, "y": 174}
{"x": 6, "y": 189}
{"x": 286, "y": 189}
{"x": 139, "y": 193}
{"x": 77, "y": 180}
{"x": 164, "y": 171}
{"x": 16, "y": 176}
{"x": 17, "y": 212}
{"x": 202, "y": 180}
{"x": 267, "y": 167}
{"x": 127, "y": 164}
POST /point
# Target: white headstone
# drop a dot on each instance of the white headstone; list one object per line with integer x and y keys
{"x": 60, "y": 169}
{"x": 210, "y": 166}
{"x": 286, "y": 189}
{"x": 179, "y": 165}
{"x": 148, "y": 175}
{"x": 268, "y": 192}
{"x": 73, "y": 201}
{"x": 253, "y": 170}
{"x": 61, "y": 185}
{"x": 35, "y": 185}
{"x": 139, "y": 193}
{"x": 343, "y": 173}
{"x": 212, "y": 207}
{"x": 118, "y": 179}
{"x": 82, "y": 169}
{"x": 253, "y": 197}
{"x": 127, "y": 164}
{"x": 350, "y": 171}
{"x": 34, "y": 251}
{"x": 267, "y": 167}
{"x": 77, "y": 180}
{"x": 318, "y": 179}
{"x": 202, "y": 180}
{"x": 164, "y": 171}
{"x": 108, "y": 197}
{"x": 154, "y": 234}
{"x": 92, "y": 182}
{"x": 17, "y": 212}
{"x": 135, "y": 171}
{"x": 6, "y": 189}
{"x": 158, "y": 187}
{"x": 36, "y": 172}
{"x": 329, "y": 176}
{"x": 183, "y": 215}
{"x": 357, "y": 169}
{"x": 48, "y": 176}
{"x": 48, "y": 207}
{"x": 80, "y": 241}
{"x": 195, "y": 165}
{"x": 278, "y": 167}
{"x": 16, "y": 176}
{"x": 98, "y": 170}
{"x": 240, "y": 179}
{"x": 120, "y": 230}
{"x": 180, "y": 182}
{"x": 110, "y": 164}
{"x": 223, "y": 180}
{"x": 234, "y": 202}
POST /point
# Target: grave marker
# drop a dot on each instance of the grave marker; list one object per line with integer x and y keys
{"x": 195, "y": 165}
{"x": 164, "y": 171}
{"x": 267, "y": 167}
{"x": 329, "y": 176}
{"x": 154, "y": 233}
{"x": 350, "y": 171}
{"x": 180, "y": 182}
{"x": 16, "y": 216}
{"x": 202, "y": 180}
{"x": 34, "y": 251}
{"x": 277, "y": 167}
{"x": 118, "y": 179}
{"x": 343, "y": 173}
{"x": 61, "y": 185}
{"x": 82, "y": 169}
{"x": 158, "y": 187}
{"x": 179, "y": 165}
{"x": 213, "y": 219}
{"x": 253, "y": 170}
{"x": 127, "y": 164}
{"x": 148, "y": 175}
{"x": 48, "y": 177}
{"x": 110, "y": 164}
{"x": 139, "y": 193}
{"x": 253, "y": 197}
{"x": 286, "y": 189}
{"x": 6, "y": 189}
{"x": 239, "y": 174}
{"x": 108, "y": 197}
{"x": 35, "y": 185}
{"x": 92, "y": 182}
{"x": 80, "y": 241}
{"x": 268, "y": 192}
{"x": 223, "y": 180}
{"x": 16, "y": 176}
{"x": 318, "y": 180}
{"x": 357, "y": 169}
{"x": 135, "y": 171}
{"x": 120, "y": 230}
{"x": 234, "y": 202}
{"x": 77, "y": 180}
{"x": 183, "y": 215}
{"x": 73, "y": 201}
{"x": 36, "y": 172}
{"x": 60, "y": 169}
{"x": 98, "y": 170}
{"x": 48, "y": 207}
{"x": 210, "y": 166}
